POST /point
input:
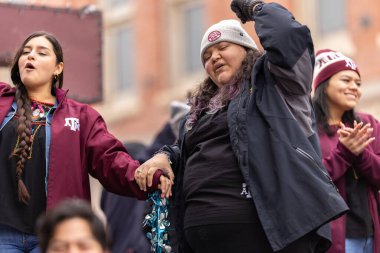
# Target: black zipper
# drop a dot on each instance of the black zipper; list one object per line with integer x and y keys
{"x": 309, "y": 157}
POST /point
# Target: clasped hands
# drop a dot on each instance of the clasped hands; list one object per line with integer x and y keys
{"x": 356, "y": 139}
{"x": 144, "y": 174}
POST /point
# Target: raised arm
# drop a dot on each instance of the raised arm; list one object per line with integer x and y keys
{"x": 288, "y": 44}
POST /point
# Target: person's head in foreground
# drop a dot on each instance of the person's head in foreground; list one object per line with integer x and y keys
{"x": 72, "y": 227}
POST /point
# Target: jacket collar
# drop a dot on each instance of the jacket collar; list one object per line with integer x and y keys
{"x": 61, "y": 95}
{"x": 6, "y": 90}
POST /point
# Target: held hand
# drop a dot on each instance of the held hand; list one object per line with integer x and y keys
{"x": 356, "y": 139}
{"x": 144, "y": 174}
{"x": 244, "y": 9}
{"x": 165, "y": 186}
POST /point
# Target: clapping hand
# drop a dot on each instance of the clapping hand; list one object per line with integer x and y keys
{"x": 356, "y": 139}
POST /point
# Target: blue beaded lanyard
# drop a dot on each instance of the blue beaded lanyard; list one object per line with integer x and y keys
{"x": 158, "y": 223}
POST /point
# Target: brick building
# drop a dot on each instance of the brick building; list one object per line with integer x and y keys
{"x": 151, "y": 51}
{"x": 162, "y": 55}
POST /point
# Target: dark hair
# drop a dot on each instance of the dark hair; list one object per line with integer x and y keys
{"x": 69, "y": 209}
{"x": 322, "y": 110}
{"x": 15, "y": 73}
{"x": 21, "y": 151}
{"x": 209, "y": 98}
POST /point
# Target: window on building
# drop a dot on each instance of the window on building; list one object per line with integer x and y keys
{"x": 332, "y": 15}
{"x": 125, "y": 66}
{"x": 193, "y": 32}
{"x": 16, "y": 1}
{"x": 117, "y": 3}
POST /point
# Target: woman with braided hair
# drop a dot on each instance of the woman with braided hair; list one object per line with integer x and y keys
{"x": 49, "y": 144}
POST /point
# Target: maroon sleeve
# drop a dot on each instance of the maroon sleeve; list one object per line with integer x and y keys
{"x": 368, "y": 163}
{"x": 109, "y": 162}
{"x": 338, "y": 159}
{"x": 335, "y": 156}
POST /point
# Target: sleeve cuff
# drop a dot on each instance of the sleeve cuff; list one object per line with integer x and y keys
{"x": 346, "y": 154}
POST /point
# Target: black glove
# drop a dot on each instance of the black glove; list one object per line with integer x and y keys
{"x": 244, "y": 9}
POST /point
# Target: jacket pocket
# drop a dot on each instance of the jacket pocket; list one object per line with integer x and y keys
{"x": 310, "y": 158}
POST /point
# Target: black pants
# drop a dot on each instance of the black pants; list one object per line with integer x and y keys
{"x": 241, "y": 238}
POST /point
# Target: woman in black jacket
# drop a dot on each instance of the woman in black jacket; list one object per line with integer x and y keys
{"x": 249, "y": 176}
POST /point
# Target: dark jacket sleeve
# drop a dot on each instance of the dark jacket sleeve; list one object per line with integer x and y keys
{"x": 290, "y": 60}
{"x": 289, "y": 48}
{"x": 175, "y": 150}
{"x": 177, "y": 208}
{"x": 174, "y": 153}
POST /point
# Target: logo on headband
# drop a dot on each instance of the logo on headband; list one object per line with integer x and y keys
{"x": 213, "y": 36}
{"x": 331, "y": 58}
{"x": 351, "y": 64}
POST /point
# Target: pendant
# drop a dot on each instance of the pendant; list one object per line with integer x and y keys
{"x": 36, "y": 114}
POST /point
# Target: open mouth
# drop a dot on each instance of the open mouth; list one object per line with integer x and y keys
{"x": 29, "y": 66}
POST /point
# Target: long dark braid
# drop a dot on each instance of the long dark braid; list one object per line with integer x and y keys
{"x": 24, "y": 142}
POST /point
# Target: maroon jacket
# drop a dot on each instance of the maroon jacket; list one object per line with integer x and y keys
{"x": 337, "y": 160}
{"x": 81, "y": 145}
